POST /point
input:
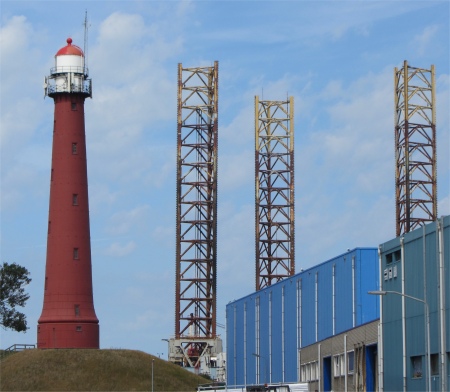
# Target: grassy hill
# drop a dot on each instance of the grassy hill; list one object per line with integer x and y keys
{"x": 92, "y": 370}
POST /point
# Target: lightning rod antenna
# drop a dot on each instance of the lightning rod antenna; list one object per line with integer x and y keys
{"x": 85, "y": 49}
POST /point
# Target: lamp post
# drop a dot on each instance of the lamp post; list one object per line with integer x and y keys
{"x": 265, "y": 366}
{"x": 168, "y": 347}
{"x": 153, "y": 361}
{"x": 427, "y": 315}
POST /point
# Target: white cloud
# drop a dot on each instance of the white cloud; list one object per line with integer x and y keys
{"x": 20, "y": 62}
{"x": 24, "y": 158}
{"x": 120, "y": 250}
{"x": 309, "y": 22}
{"x": 123, "y": 222}
{"x": 143, "y": 320}
{"x": 18, "y": 124}
{"x": 343, "y": 170}
{"x": 101, "y": 196}
{"x": 165, "y": 235}
{"x": 130, "y": 50}
{"x": 444, "y": 206}
{"x": 15, "y": 38}
{"x": 359, "y": 136}
{"x": 241, "y": 130}
{"x": 236, "y": 248}
{"x": 236, "y": 170}
{"x": 422, "y": 41}
{"x": 443, "y": 132}
{"x": 21, "y": 182}
{"x": 332, "y": 90}
{"x": 134, "y": 97}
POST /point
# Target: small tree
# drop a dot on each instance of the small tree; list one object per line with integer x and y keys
{"x": 13, "y": 278}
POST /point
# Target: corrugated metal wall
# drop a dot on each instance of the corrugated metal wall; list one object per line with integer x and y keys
{"x": 311, "y": 306}
{"x": 363, "y": 339}
{"x": 423, "y": 279}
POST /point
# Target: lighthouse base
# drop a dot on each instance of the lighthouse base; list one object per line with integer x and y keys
{"x": 68, "y": 335}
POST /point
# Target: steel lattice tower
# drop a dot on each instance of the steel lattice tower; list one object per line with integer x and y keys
{"x": 274, "y": 179}
{"x": 196, "y": 236}
{"x": 415, "y": 148}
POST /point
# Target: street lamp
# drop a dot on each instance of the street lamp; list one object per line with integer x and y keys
{"x": 168, "y": 347}
{"x": 153, "y": 361}
{"x": 427, "y": 315}
{"x": 265, "y": 366}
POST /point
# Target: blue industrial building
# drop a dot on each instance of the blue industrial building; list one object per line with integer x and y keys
{"x": 301, "y": 328}
{"x": 322, "y": 326}
{"x": 415, "y": 274}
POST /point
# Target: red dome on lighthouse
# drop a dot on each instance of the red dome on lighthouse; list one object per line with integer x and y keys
{"x": 70, "y": 49}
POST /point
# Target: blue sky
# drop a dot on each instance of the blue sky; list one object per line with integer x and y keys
{"x": 336, "y": 58}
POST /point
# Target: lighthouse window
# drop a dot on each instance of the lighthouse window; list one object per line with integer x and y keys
{"x": 75, "y": 253}
{"x": 77, "y": 310}
{"x": 74, "y": 106}
{"x": 74, "y": 148}
{"x": 78, "y": 329}
{"x": 75, "y": 199}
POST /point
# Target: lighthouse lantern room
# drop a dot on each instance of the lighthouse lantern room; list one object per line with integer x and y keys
{"x": 69, "y": 75}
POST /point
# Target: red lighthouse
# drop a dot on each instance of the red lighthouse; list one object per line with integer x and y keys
{"x": 68, "y": 318}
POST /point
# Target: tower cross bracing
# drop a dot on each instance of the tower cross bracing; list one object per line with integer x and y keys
{"x": 196, "y": 226}
{"x": 415, "y": 147}
{"x": 274, "y": 183}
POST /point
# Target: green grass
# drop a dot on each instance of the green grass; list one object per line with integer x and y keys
{"x": 92, "y": 370}
{"x": 4, "y": 353}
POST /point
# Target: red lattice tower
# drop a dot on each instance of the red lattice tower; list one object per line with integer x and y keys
{"x": 196, "y": 227}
